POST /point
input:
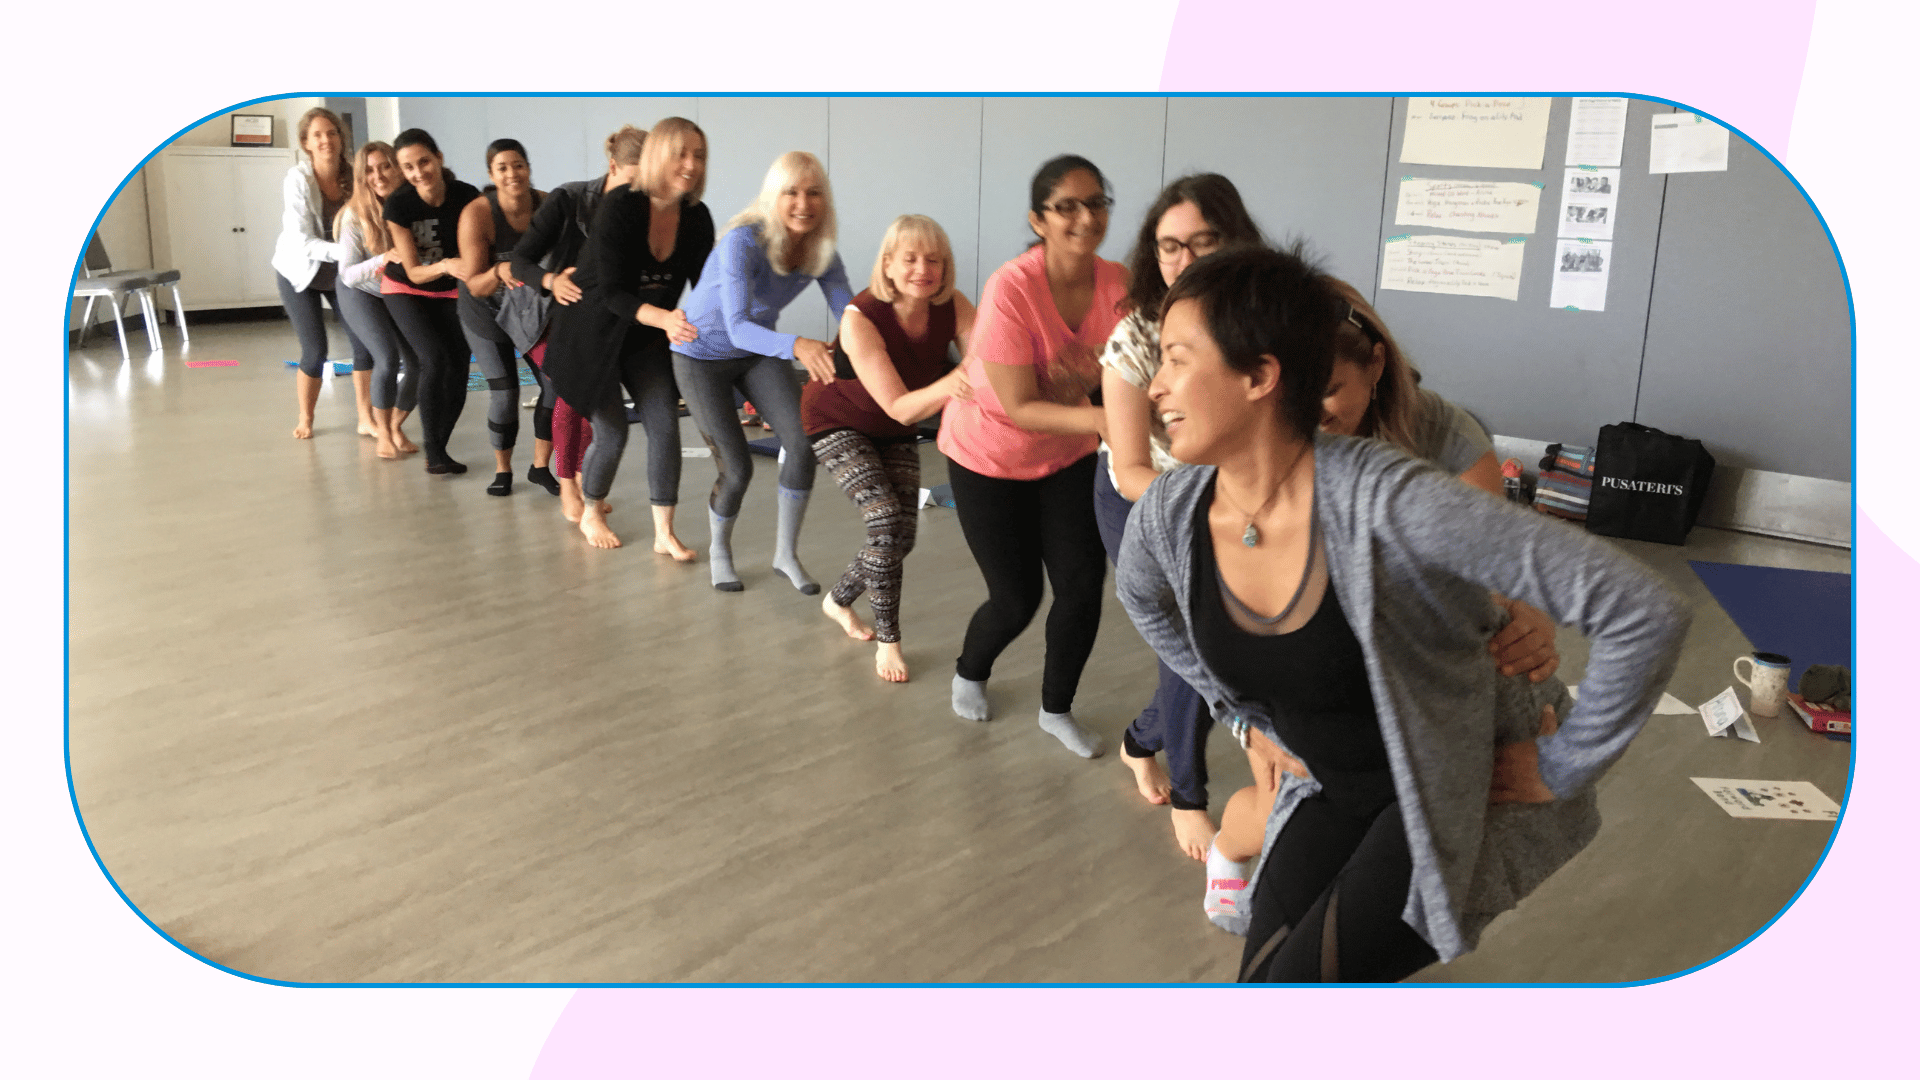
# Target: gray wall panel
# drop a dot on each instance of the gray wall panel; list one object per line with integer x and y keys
{"x": 1748, "y": 344}
{"x": 1523, "y": 368}
{"x": 1742, "y": 325}
{"x": 894, "y": 156}
{"x": 1308, "y": 167}
{"x": 745, "y": 135}
{"x": 1120, "y": 135}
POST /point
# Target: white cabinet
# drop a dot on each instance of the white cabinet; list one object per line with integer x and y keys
{"x": 214, "y": 213}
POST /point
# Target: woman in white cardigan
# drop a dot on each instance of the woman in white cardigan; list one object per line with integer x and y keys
{"x": 305, "y": 260}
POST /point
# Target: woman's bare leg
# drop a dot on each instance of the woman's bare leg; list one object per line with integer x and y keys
{"x": 664, "y": 541}
{"x": 363, "y": 402}
{"x": 306, "y": 395}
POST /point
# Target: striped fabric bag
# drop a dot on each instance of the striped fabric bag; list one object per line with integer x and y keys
{"x": 1566, "y": 482}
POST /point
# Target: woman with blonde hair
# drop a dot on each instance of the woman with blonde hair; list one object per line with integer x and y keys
{"x": 365, "y": 249}
{"x": 895, "y": 335}
{"x": 769, "y": 254}
{"x": 305, "y": 259}
{"x": 649, "y": 239}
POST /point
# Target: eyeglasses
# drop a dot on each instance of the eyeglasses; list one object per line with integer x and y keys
{"x": 1068, "y": 208}
{"x": 1199, "y": 245}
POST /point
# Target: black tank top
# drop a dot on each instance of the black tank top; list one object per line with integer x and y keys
{"x": 1312, "y": 680}
{"x": 505, "y": 236}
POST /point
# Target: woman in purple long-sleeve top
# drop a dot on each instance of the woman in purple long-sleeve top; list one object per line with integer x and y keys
{"x": 769, "y": 254}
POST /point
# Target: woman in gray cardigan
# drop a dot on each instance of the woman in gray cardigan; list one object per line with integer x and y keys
{"x": 1329, "y": 598}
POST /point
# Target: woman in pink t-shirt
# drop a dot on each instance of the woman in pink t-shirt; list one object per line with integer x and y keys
{"x": 1021, "y": 452}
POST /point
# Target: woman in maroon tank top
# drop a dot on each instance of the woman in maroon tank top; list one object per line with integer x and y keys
{"x": 895, "y": 335}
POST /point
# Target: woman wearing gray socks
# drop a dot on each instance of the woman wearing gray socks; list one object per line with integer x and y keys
{"x": 769, "y": 254}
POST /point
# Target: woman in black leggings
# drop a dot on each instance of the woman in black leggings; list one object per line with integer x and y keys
{"x": 423, "y": 219}
{"x": 494, "y": 224}
{"x": 1329, "y": 597}
{"x": 648, "y": 241}
{"x": 1021, "y": 452}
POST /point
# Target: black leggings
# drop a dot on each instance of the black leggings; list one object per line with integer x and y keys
{"x": 647, "y": 373}
{"x": 309, "y": 327}
{"x": 1016, "y": 529}
{"x": 883, "y": 480}
{"x": 367, "y": 319}
{"x": 1332, "y": 867}
{"x": 431, "y": 326}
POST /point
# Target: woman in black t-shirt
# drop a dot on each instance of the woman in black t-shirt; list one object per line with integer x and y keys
{"x": 421, "y": 287}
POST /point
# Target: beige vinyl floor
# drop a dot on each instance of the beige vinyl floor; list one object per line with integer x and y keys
{"x": 334, "y": 720}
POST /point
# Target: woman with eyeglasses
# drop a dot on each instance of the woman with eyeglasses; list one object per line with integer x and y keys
{"x": 1328, "y": 597}
{"x": 1022, "y": 451}
{"x": 495, "y": 223}
{"x": 1194, "y": 216}
{"x": 423, "y": 218}
{"x": 1375, "y": 393}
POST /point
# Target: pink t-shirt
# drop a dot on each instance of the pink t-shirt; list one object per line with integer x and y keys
{"x": 1018, "y": 324}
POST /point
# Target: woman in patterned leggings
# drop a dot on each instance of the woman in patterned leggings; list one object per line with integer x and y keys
{"x": 895, "y": 335}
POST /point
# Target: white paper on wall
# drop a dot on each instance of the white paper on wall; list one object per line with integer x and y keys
{"x": 1477, "y": 132}
{"x": 1685, "y": 142}
{"x": 1459, "y": 265}
{"x": 1596, "y": 131}
{"x": 1471, "y": 205}
{"x": 1589, "y": 201}
{"x": 1580, "y": 272}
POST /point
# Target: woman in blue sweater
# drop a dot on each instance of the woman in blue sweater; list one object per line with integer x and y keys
{"x": 770, "y": 253}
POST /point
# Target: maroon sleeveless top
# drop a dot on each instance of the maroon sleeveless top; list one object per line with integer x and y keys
{"x": 845, "y": 403}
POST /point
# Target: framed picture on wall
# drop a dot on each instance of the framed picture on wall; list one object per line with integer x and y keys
{"x": 252, "y": 129}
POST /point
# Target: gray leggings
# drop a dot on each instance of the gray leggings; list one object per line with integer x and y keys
{"x": 768, "y": 382}
{"x": 647, "y": 373}
{"x": 494, "y": 351}
{"x": 366, "y": 315}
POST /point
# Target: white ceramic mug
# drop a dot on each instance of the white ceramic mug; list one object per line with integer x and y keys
{"x": 1766, "y": 682}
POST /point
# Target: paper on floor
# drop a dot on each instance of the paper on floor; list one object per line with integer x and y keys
{"x": 1792, "y": 799}
{"x": 1672, "y": 706}
{"x": 1724, "y": 716}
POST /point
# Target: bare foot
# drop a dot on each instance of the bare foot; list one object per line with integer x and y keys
{"x": 668, "y": 545}
{"x": 383, "y": 445}
{"x": 594, "y": 527}
{"x": 367, "y": 429}
{"x": 571, "y": 501}
{"x": 851, "y": 623}
{"x": 888, "y": 662}
{"x": 303, "y": 429}
{"x": 1193, "y": 830}
{"x": 1152, "y": 779}
{"x": 403, "y": 444}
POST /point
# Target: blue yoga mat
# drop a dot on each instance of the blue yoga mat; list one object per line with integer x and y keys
{"x": 1805, "y": 614}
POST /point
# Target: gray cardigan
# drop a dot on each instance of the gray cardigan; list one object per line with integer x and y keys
{"x": 1412, "y": 554}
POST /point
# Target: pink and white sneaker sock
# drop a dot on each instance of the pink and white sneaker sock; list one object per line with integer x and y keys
{"x": 1229, "y": 893}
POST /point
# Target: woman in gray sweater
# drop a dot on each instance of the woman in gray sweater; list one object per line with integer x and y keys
{"x": 1329, "y": 598}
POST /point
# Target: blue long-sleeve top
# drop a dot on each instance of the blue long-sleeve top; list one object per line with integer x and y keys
{"x": 739, "y": 297}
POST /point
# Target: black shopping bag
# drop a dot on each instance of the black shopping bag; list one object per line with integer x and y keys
{"x": 1647, "y": 484}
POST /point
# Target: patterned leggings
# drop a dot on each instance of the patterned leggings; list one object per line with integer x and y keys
{"x": 884, "y": 482}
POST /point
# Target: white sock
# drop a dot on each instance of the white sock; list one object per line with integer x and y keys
{"x": 970, "y": 699}
{"x": 1062, "y": 726}
{"x": 720, "y": 553}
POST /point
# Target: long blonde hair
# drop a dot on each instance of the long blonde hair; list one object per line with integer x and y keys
{"x": 662, "y": 150}
{"x": 815, "y": 252}
{"x": 363, "y": 204}
{"x": 1394, "y": 413}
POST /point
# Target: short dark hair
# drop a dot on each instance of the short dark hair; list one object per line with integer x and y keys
{"x": 501, "y": 146}
{"x": 1261, "y": 302}
{"x": 1219, "y": 204}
